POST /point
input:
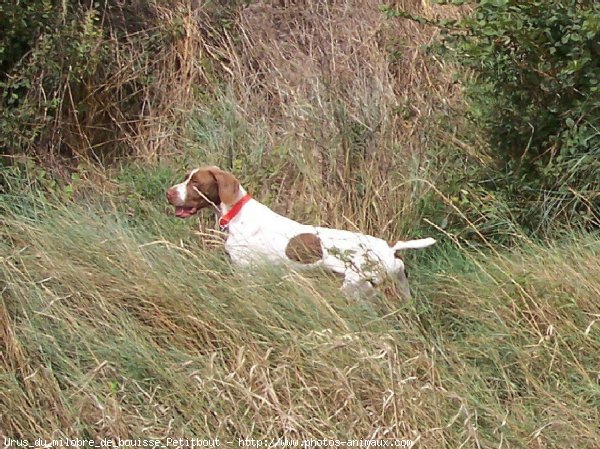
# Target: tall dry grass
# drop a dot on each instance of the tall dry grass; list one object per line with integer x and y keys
{"x": 106, "y": 80}
{"x": 112, "y": 328}
{"x": 327, "y": 103}
{"x": 332, "y": 104}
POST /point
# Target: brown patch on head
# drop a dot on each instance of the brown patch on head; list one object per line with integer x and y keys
{"x": 304, "y": 248}
{"x": 199, "y": 189}
{"x": 228, "y": 186}
{"x": 202, "y": 189}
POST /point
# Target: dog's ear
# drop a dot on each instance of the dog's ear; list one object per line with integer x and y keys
{"x": 229, "y": 187}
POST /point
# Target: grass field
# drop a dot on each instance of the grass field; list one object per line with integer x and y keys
{"x": 119, "y": 321}
{"x": 123, "y": 324}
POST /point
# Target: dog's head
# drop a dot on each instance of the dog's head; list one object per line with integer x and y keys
{"x": 203, "y": 187}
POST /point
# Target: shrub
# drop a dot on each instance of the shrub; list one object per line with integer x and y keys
{"x": 532, "y": 81}
{"x": 537, "y": 75}
{"x": 101, "y": 80}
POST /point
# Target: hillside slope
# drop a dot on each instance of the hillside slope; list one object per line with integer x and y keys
{"x": 119, "y": 327}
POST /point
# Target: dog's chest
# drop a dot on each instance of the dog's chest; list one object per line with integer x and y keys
{"x": 259, "y": 234}
{"x": 243, "y": 252}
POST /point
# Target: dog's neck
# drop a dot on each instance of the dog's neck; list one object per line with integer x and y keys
{"x": 224, "y": 208}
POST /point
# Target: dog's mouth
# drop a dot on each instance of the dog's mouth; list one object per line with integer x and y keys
{"x": 185, "y": 212}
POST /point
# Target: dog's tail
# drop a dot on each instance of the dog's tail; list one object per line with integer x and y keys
{"x": 413, "y": 244}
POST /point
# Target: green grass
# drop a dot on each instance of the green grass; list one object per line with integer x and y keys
{"x": 118, "y": 321}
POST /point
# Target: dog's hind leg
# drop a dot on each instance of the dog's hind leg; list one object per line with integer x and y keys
{"x": 356, "y": 286}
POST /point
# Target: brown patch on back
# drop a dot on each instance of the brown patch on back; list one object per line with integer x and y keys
{"x": 304, "y": 248}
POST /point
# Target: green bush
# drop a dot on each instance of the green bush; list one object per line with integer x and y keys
{"x": 19, "y": 25}
{"x": 42, "y": 58}
{"x": 93, "y": 79}
{"x": 532, "y": 80}
{"x": 537, "y": 75}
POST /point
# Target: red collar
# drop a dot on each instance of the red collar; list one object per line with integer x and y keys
{"x": 225, "y": 219}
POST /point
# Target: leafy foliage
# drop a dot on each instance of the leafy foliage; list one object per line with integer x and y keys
{"x": 19, "y": 25}
{"x": 537, "y": 75}
{"x": 93, "y": 79}
{"x": 40, "y": 55}
{"x": 533, "y": 83}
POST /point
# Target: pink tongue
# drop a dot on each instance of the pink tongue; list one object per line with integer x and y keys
{"x": 184, "y": 212}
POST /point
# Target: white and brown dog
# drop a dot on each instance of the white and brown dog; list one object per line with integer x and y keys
{"x": 257, "y": 235}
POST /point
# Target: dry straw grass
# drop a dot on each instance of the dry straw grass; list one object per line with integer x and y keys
{"x": 111, "y": 329}
{"x": 337, "y": 102}
{"x": 114, "y": 323}
{"x": 113, "y": 80}
{"x": 142, "y": 98}
{"x": 327, "y": 102}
